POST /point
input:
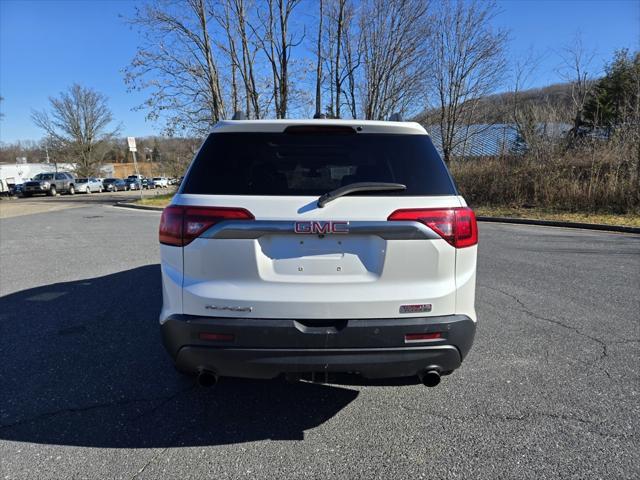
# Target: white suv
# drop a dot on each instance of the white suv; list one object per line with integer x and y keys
{"x": 161, "y": 182}
{"x": 306, "y": 247}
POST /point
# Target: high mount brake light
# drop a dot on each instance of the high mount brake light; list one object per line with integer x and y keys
{"x": 457, "y": 226}
{"x": 180, "y": 225}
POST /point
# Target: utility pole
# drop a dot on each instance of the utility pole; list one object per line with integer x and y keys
{"x": 132, "y": 148}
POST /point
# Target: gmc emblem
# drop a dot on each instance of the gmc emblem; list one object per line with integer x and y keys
{"x": 321, "y": 228}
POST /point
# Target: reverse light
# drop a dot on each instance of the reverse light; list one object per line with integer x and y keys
{"x": 457, "y": 226}
{"x": 180, "y": 225}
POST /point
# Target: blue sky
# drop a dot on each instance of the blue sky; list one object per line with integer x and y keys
{"x": 45, "y": 46}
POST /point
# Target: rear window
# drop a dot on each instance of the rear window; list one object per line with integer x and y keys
{"x": 311, "y": 164}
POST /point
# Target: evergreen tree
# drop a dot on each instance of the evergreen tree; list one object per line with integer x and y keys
{"x": 615, "y": 98}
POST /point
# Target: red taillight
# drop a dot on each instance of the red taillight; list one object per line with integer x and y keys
{"x": 456, "y": 225}
{"x": 179, "y": 225}
{"x": 171, "y": 226}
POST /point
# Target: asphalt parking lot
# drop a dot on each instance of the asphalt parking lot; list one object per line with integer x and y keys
{"x": 17, "y": 207}
{"x": 551, "y": 388}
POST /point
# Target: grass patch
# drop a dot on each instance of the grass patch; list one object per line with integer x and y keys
{"x": 156, "y": 200}
{"x": 628, "y": 219}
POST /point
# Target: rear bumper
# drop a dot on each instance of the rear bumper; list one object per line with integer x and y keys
{"x": 267, "y": 348}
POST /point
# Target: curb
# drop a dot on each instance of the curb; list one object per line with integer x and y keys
{"x": 520, "y": 221}
{"x": 138, "y": 207}
{"x": 554, "y": 223}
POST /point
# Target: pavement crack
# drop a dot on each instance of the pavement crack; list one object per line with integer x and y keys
{"x": 523, "y": 308}
{"x": 151, "y": 460}
{"x": 172, "y": 440}
{"x": 46, "y": 415}
{"x": 624, "y": 342}
{"x": 537, "y": 414}
{"x": 592, "y": 427}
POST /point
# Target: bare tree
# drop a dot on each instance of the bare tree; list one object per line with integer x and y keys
{"x": 577, "y": 63}
{"x": 247, "y": 70}
{"x": 328, "y": 46}
{"x": 336, "y": 49}
{"x": 77, "y": 124}
{"x": 524, "y": 116}
{"x": 177, "y": 64}
{"x": 277, "y": 43}
{"x": 339, "y": 28}
{"x": 231, "y": 49}
{"x": 232, "y": 17}
{"x": 319, "y": 61}
{"x": 352, "y": 61}
{"x": 393, "y": 46}
{"x": 467, "y": 64}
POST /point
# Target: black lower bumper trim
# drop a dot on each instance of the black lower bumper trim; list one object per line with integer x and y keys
{"x": 267, "y": 348}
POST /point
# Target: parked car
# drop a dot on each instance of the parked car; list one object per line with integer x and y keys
{"x": 358, "y": 259}
{"x": 161, "y": 182}
{"x": 89, "y": 185}
{"x": 133, "y": 183}
{"x": 17, "y": 189}
{"x": 114, "y": 184}
{"x": 148, "y": 183}
{"x": 50, "y": 184}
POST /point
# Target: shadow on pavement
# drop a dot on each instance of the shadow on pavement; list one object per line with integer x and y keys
{"x": 81, "y": 363}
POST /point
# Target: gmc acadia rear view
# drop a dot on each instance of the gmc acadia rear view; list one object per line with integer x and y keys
{"x": 318, "y": 247}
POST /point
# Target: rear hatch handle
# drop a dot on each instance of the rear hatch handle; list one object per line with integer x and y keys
{"x": 358, "y": 187}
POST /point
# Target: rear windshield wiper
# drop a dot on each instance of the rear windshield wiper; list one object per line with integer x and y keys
{"x": 358, "y": 187}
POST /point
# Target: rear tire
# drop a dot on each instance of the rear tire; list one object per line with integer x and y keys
{"x": 72, "y": 190}
{"x": 88, "y": 189}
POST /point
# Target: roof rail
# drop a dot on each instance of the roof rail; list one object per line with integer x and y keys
{"x": 395, "y": 117}
{"x": 239, "y": 115}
